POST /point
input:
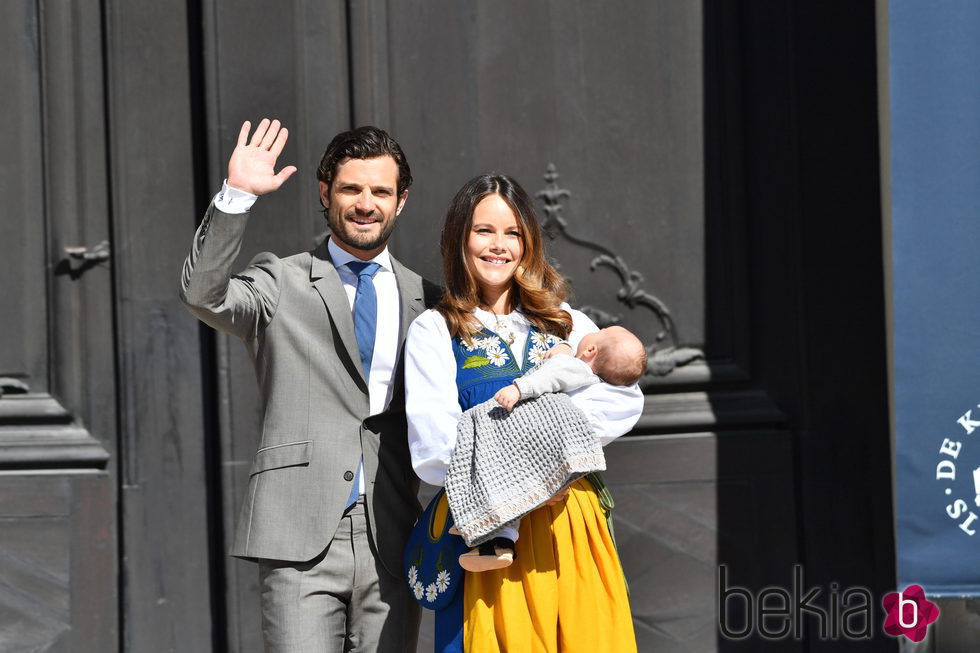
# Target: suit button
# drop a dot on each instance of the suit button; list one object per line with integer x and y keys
{"x": 348, "y": 476}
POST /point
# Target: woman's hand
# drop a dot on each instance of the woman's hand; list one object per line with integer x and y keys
{"x": 558, "y": 496}
{"x": 561, "y": 349}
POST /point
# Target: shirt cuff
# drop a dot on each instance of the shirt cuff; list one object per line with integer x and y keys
{"x": 232, "y": 200}
{"x": 525, "y": 392}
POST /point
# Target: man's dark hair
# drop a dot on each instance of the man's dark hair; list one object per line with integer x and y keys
{"x": 363, "y": 143}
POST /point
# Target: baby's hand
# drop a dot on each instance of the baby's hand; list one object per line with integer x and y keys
{"x": 508, "y": 396}
{"x": 561, "y": 349}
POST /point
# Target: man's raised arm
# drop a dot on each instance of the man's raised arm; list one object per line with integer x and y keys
{"x": 243, "y": 304}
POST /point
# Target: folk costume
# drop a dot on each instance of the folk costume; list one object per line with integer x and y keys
{"x": 565, "y": 591}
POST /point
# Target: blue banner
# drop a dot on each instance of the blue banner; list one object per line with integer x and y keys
{"x": 934, "y": 191}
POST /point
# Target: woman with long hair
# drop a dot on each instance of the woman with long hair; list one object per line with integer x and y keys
{"x": 503, "y": 308}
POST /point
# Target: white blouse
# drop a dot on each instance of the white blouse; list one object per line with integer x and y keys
{"x": 432, "y": 400}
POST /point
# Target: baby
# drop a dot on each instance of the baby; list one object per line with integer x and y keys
{"x": 612, "y": 355}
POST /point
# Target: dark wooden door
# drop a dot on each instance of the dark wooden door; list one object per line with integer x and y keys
{"x": 681, "y": 155}
{"x": 58, "y": 408}
{"x": 675, "y": 151}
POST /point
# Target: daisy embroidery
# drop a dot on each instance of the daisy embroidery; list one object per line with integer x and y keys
{"x": 417, "y": 589}
{"x": 536, "y": 355}
{"x": 539, "y": 339}
{"x": 442, "y": 581}
{"x": 553, "y": 340}
{"x": 497, "y": 356}
{"x": 413, "y": 575}
{"x": 431, "y": 592}
{"x": 490, "y": 341}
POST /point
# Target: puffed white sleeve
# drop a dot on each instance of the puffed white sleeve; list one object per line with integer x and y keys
{"x": 581, "y": 326}
{"x": 612, "y": 410}
{"x": 431, "y": 398}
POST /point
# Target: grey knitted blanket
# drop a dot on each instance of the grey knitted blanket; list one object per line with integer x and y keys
{"x": 507, "y": 464}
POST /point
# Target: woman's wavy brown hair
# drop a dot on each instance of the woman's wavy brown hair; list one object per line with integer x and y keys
{"x": 538, "y": 288}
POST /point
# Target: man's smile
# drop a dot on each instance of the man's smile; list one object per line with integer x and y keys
{"x": 364, "y": 219}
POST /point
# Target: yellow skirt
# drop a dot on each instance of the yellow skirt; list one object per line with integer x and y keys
{"x": 564, "y": 593}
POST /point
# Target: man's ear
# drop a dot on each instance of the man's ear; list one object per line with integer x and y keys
{"x": 401, "y": 202}
{"x": 324, "y": 194}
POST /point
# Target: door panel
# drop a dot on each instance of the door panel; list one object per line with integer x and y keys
{"x": 58, "y": 553}
{"x": 23, "y": 350}
{"x": 166, "y": 584}
{"x": 547, "y": 83}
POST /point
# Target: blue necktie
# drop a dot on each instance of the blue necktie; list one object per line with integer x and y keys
{"x": 365, "y": 328}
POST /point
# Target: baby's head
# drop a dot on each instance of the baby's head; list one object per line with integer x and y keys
{"x": 614, "y": 354}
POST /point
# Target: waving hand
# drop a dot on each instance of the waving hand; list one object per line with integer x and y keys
{"x": 252, "y": 164}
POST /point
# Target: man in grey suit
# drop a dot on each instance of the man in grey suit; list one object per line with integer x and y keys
{"x": 331, "y": 495}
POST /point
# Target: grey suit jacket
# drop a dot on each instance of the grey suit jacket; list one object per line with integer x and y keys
{"x": 295, "y": 319}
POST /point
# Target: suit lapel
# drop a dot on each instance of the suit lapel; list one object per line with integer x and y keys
{"x": 327, "y": 282}
{"x": 410, "y": 295}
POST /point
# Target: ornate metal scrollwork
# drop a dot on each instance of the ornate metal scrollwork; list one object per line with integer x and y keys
{"x": 665, "y": 353}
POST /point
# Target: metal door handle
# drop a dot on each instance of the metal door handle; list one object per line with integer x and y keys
{"x": 94, "y": 254}
{"x": 12, "y": 386}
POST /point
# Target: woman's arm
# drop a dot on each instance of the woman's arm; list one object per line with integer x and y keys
{"x": 581, "y": 326}
{"x": 612, "y": 410}
{"x": 431, "y": 398}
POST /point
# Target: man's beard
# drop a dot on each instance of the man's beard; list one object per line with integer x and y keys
{"x": 339, "y": 228}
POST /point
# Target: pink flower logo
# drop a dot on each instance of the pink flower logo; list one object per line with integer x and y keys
{"x": 909, "y": 613}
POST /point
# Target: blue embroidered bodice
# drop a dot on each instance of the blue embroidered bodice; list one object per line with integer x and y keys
{"x": 489, "y": 364}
